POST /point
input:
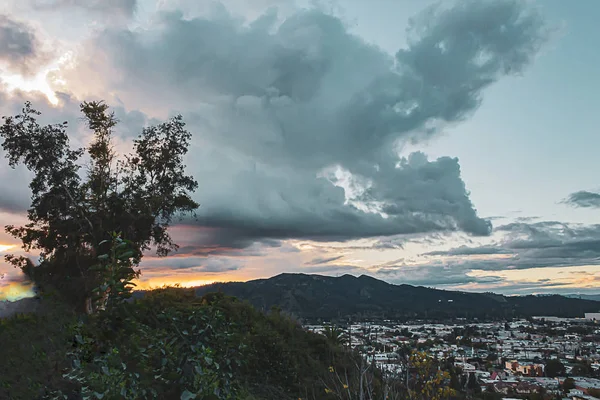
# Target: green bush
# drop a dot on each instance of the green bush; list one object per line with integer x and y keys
{"x": 168, "y": 345}
{"x": 33, "y": 350}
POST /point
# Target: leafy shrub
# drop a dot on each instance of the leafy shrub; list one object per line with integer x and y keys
{"x": 33, "y": 349}
{"x": 172, "y": 345}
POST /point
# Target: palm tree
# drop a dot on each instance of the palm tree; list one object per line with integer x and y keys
{"x": 334, "y": 335}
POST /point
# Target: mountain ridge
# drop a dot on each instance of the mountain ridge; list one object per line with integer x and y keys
{"x": 594, "y": 297}
{"x": 312, "y": 296}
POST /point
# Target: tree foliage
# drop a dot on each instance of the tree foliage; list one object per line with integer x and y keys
{"x": 335, "y": 335}
{"x": 568, "y": 384}
{"x": 429, "y": 382}
{"x": 554, "y": 368}
{"x": 115, "y": 274}
{"x": 74, "y": 210}
{"x": 169, "y": 345}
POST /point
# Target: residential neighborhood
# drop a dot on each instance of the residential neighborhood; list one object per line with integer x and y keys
{"x": 535, "y": 358}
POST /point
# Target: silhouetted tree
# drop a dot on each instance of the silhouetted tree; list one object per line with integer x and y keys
{"x": 554, "y": 368}
{"x": 472, "y": 384}
{"x": 73, "y": 216}
{"x": 568, "y": 384}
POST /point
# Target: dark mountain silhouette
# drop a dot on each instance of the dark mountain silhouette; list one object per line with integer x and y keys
{"x": 23, "y": 306}
{"x": 318, "y": 297}
{"x": 595, "y": 297}
{"x": 313, "y": 297}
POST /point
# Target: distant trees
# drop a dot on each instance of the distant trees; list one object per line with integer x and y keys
{"x": 422, "y": 378}
{"x": 582, "y": 369}
{"x": 554, "y": 368}
{"x": 472, "y": 384}
{"x": 568, "y": 384}
{"x": 75, "y": 216}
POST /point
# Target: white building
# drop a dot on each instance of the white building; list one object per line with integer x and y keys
{"x": 593, "y": 316}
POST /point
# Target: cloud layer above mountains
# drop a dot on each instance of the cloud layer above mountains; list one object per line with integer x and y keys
{"x": 541, "y": 244}
{"x": 297, "y": 122}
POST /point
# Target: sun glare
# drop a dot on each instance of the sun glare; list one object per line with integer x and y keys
{"x": 16, "y": 291}
{"x": 4, "y": 247}
{"x": 197, "y": 283}
{"x": 158, "y": 282}
{"x": 40, "y": 83}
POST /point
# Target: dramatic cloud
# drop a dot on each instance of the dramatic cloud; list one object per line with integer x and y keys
{"x": 583, "y": 199}
{"x": 431, "y": 275}
{"x": 20, "y": 48}
{"x": 520, "y": 257}
{"x": 11, "y": 201}
{"x": 193, "y": 264}
{"x": 206, "y": 241}
{"x": 297, "y": 122}
{"x": 524, "y": 246}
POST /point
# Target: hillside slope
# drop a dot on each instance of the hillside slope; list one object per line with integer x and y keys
{"x": 595, "y": 297}
{"x": 168, "y": 345}
{"x": 322, "y": 297}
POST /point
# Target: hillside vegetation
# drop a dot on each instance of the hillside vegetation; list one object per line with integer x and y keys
{"x": 90, "y": 340}
{"x": 316, "y": 297}
{"x": 93, "y": 215}
{"x": 168, "y": 345}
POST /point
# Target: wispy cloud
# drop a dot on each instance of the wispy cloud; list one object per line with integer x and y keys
{"x": 583, "y": 198}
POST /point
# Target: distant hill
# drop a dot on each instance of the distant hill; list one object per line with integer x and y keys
{"x": 26, "y": 305}
{"x": 313, "y": 297}
{"x": 594, "y": 297}
{"x": 317, "y": 297}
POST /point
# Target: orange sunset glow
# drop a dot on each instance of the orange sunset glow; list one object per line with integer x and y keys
{"x": 14, "y": 291}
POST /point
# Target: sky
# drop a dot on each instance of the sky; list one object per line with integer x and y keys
{"x": 446, "y": 144}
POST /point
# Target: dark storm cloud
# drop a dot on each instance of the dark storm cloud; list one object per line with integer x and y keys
{"x": 542, "y": 244}
{"x": 20, "y": 47}
{"x": 583, "y": 199}
{"x": 280, "y": 110}
{"x": 11, "y": 200}
{"x": 131, "y": 123}
{"x": 192, "y": 264}
{"x": 205, "y": 241}
{"x": 522, "y": 246}
{"x": 266, "y": 204}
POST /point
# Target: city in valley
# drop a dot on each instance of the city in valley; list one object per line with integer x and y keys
{"x": 547, "y": 357}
